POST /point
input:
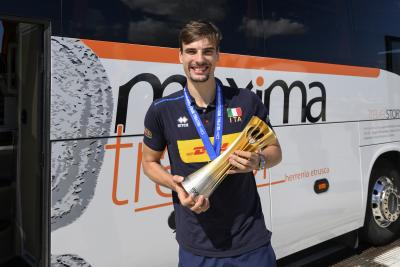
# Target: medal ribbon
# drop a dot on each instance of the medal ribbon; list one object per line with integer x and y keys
{"x": 213, "y": 151}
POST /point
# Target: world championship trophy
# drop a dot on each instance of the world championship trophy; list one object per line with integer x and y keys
{"x": 255, "y": 136}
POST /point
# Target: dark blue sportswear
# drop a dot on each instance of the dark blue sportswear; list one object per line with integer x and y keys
{"x": 234, "y": 224}
{"x": 263, "y": 256}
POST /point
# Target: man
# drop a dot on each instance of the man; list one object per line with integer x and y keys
{"x": 228, "y": 229}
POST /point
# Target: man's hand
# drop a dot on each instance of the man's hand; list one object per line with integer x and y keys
{"x": 197, "y": 205}
{"x": 243, "y": 161}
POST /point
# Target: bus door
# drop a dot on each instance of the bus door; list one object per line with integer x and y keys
{"x": 22, "y": 175}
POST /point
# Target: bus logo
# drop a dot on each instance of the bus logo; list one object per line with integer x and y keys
{"x": 319, "y": 102}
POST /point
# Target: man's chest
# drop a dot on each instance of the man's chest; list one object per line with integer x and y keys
{"x": 183, "y": 136}
{"x": 181, "y": 126}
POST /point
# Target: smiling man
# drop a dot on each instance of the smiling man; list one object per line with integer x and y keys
{"x": 228, "y": 229}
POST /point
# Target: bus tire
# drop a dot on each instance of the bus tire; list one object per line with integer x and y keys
{"x": 382, "y": 219}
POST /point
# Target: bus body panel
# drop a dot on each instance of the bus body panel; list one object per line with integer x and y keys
{"x": 300, "y": 216}
{"x": 117, "y": 230}
{"x": 296, "y": 96}
{"x": 101, "y": 196}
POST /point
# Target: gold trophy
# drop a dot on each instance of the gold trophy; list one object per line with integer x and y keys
{"x": 254, "y": 137}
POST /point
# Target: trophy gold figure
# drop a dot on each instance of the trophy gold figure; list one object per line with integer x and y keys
{"x": 254, "y": 137}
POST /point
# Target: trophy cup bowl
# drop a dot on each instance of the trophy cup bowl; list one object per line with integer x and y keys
{"x": 255, "y": 136}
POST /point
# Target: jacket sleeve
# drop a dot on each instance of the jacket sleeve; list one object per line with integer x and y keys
{"x": 154, "y": 129}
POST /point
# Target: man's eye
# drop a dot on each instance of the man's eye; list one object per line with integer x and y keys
{"x": 191, "y": 52}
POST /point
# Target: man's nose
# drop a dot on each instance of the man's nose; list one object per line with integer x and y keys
{"x": 199, "y": 56}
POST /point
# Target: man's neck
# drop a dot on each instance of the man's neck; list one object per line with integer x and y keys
{"x": 203, "y": 93}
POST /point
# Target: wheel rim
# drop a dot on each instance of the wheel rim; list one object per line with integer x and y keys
{"x": 385, "y": 202}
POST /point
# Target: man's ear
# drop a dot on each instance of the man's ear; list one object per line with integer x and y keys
{"x": 180, "y": 55}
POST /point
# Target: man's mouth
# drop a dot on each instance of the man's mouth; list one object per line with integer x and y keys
{"x": 199, "y": 69}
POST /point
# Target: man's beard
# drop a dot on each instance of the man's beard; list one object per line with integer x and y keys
{"x": 202, "y": 78}
{"x": 199, "y": 79}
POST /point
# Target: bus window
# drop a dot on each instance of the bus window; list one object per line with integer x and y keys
{"x": 1, "y": 78}
{"x": 393, "y": 54}
{"x": 45, "y": 9}
{"x": 371, "y": 23}
{"x": 308, "y": 30}
{"x": 158, "y": 23}
{"x": 1, "y": 35}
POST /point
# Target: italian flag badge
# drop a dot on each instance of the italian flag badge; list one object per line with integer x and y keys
{"x": 234, "y": 112}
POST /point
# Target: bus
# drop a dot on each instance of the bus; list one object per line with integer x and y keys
{"x": 77, "y": 77}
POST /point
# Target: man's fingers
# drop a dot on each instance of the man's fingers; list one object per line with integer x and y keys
{"x": 177, "y": 179}
{"x": 235, "y": 163}
{"x": 242, "y": 161}
{"x": 187, "y": 200}
{"x": 202, "y": 205}
{"x": 206, "y": 204}
{"x": 199, "y": 203}
{"x": 243, "y": 154}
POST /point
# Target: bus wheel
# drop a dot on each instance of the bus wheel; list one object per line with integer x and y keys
{"x": 382, "y": 221}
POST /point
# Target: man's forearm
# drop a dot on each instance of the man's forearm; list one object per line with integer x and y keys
{"x": 156, "y": 172}
{"x": 273, "y": 155}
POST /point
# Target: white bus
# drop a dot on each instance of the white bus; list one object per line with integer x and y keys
{"x": 77, "y": 77}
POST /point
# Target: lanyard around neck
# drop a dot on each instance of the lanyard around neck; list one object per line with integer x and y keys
{"x": 213, "y": 151}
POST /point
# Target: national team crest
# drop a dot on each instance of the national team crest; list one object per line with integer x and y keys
{"x": 234, "y": 114}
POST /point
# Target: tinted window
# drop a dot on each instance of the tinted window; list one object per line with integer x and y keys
{"x": 372, "y": 22}
{"x": 393, "y": 54}
{"x": 349, "y": 32}
{"x": 1, "y": 108}
{"x": 2, "y": 69}
{"x": 308, "y": 30}
{"x": 28, "y": 9}
{"x": 155, "y": 22}
{"x": 343, "y": 32}
{"x": 1, "y": 35}
{"x": 99, "y": 20}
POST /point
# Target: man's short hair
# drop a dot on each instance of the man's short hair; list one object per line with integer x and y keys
{"x": 199, "y": 29}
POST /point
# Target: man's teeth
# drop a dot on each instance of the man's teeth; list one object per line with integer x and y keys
{"x": 200, "y": 68}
